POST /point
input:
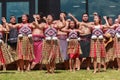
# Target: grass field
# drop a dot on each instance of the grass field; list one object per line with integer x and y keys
{"x": 60, "y": 75}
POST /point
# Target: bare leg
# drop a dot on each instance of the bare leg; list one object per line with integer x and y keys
{"x": 21, "y": 63}
{"x": 18, "y": 65}
{"x": 53, "y": 66}
{"x": 78, "y": 63}
{"x": 99, "y": 66}
{"x": 104, "y": 64}
{"x": 66, "y": 64}
{"x": 95, "y": 65}
{"x": 27, "y": 65}
{"x": 112, "y": 63}
{"x": 118, "y": 62}
{"x": 4, "y": 67}
{"x": 74, "y": 64}
{"x": 70, "y": 64}
{"x": 88, "y": 63}
{"x": 48, "y": 68}
{"x": 33, "y": 65}
{"x": 40, "y": 67}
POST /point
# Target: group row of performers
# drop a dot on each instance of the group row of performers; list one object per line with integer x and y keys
{"x": 48, "y": 41}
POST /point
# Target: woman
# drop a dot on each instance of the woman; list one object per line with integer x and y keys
{"x": 5, "y": 56}
{"x": 117, "y": 44}
{"x": 24, "y": 43}
{"x": 74, "y": 49}
{"x": 109, "y": 34}
{"x": 51, "y": 50}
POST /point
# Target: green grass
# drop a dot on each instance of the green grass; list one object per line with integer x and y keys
{"x": 60, "y": 75}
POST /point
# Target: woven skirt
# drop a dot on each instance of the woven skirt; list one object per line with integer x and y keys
{"x": 25, "y": 48}
{"x": 51, "y": 52}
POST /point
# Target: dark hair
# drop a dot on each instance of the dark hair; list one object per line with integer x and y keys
{"x": 53, "y": 16}
{"x": 84, "y": 14}
{"x": 64, "y": 12}
{"x": 74, "y": 23}
{"x": 12, "y": 16}
{"x": 27, "y": 16}
{"x": 100, "y": 20}
{"x": 109, "y": 18}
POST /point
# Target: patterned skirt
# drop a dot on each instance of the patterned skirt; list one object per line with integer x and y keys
{"x": 25, "y": 48}
{"x": 5, "y": 55}
{"x": 38, "y": 41}
{"x": 97, "y": 50}
{"x": 117, "y": 48}
{"x": 51, "y": 52}
{"x": 74, "y": 49}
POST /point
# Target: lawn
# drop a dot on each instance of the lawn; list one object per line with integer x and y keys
{"x": 60, "y": 75}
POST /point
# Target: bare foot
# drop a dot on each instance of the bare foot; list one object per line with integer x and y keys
{"x": 104, "y": 69}
{"x": 118, "y": 69}
{"x": 18, "y": 69}
{"x": 71, "y": 70}
{"x": 95, "y": 71}
{"x": 4, "y": 69}
{"x": 88, "y": 68}
{"x": 33, "y": 65}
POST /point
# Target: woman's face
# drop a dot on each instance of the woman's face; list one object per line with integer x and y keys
{"x": 110, "y": 21}
{"x": 72, "y": 24}
{"x": 62, "y": 15}
{"x": 49, "y": 18}
{"x": 13, "y": 19}
{"x": 96, "y": 19}
{"x": 38, "y": 17}
{"x": 24, "y": 18}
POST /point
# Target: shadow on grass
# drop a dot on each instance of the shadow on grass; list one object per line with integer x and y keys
{"x": 56, "y": 72}
{"x": 7, "y": 72}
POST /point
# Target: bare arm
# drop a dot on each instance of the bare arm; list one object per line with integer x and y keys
{"x": 13, "y": 26}
{"x": 65, "y": 29}
{"x": 35, "y": 22}
{"x": 42, "y": 25}
{"x": 105, "y": 18}
{"x": 45, "y": 19}
{"x": 5, "y": 23}
{"x": 114, "y": 25}
{"x": 89, "y": 25}
{"x": 75, "y": 19}
{"x": 63, "y": 19}
{"x": 60, "y": 25}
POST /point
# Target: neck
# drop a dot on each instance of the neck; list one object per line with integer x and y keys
{"x": 25, "y": 22}
{"x": 85, "y": 21}
{"x": 49, "y": 23}
{"x": 97, "y": 24}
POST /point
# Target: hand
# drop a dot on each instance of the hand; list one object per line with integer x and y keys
{"x": 62, "y": 15}
{"x": 44, "y": 18}
{"x": 69, "y": 14}
{"x": 33, "y": 23}
{"x": 34, "y": 16}
{"x": 105, "y": 17}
